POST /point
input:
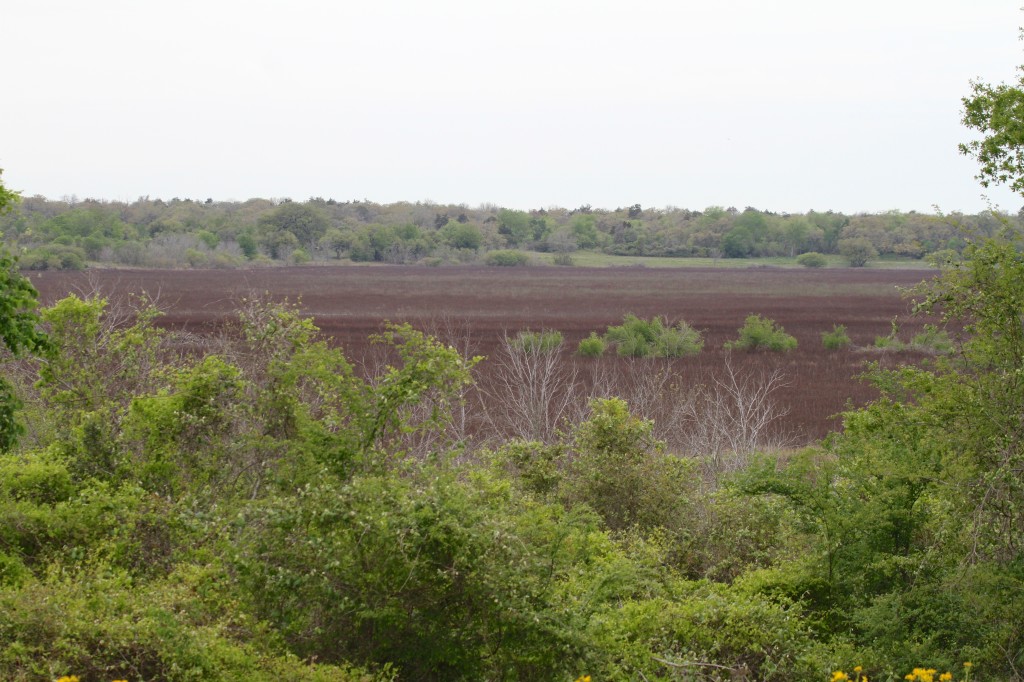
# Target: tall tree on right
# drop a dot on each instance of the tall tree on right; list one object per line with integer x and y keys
{"x": 997, "y": 113}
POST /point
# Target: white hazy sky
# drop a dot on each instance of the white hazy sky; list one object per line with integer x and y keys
{"x": 784, "y": 105}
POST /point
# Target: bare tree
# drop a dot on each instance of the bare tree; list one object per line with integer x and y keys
{"x": 532, "y": 390}
{"x": 733, "y": 416}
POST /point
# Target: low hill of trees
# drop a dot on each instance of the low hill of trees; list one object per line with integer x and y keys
{"x": 71, "y": 234}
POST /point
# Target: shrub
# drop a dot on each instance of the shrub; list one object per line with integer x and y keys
{"x": 760, "y": 333}
{"x": 563, "y": 259}
{"x": 54, "y": 257}
{"x": 930, "y": 340}
{"x": 942, "y": 258}
{"x": 812, "y": 259}
{"x": 507, "y": 257}
{"x": 654, "y": 338}
{"x": 591, "y": 347}
{"x": 544, "y": 341}
{"x": 857, "y": 251}
{"x": 835, "y": 339}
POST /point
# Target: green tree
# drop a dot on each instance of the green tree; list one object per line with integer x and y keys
{"x": 462, "y": 235}
{"x": 996, "y": 113}
{"x": 306, "y": 223}
{"x": 857, "y": 251}
{"x": 515, "y": 225}
{"x": 19, "y": 328}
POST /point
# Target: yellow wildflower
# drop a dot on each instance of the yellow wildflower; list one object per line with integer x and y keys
{"x": 840, "y": 676}
{"x": 945, "y": 677}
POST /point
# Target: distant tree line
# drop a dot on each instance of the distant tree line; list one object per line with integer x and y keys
{"x": 69, "y": 234}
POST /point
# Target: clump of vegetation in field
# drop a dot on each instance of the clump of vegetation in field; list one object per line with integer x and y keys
{"x": 857, "y": 251}
{"x": 930, "y": 339}
{"x": 654, "y": 338}
{"x": 761, "y": 333}
{"x": 591, "y": 347}
{"x": 835, "y": 339}
{"x": 544, "y": 341}
{"x": 507, "y": 257}
{"x": 563, "y": 259}
{"x": 812, "y": 259}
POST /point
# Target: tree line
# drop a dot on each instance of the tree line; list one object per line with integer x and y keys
{"x": 69, "y": 234}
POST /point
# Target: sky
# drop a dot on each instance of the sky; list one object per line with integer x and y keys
{"x": 783, "y": 105}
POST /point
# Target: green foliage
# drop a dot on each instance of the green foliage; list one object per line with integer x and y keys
{"x": 857, "y": 251}
{"x": 54, "y": 257}
{"x": 710, "y": 632}
{"x": 931, "y": 339}
{"x": 994, "y": 112}
{"x": 591, "y": 347}
{"x": 20, "y": 333}
{"x": 248, "y": 244}
{"x": 507, "y": 258}
{"x": 98, "y": 625}
{"x": 544, "y": 341}
{"x": 515, "y": 225}
{"x": 812, "y": 259}
{"x": 462, "y": 235}
{"x": 654, "y": 338}
{"x": 623, "y": 473}
{"x": 835, "y": 339}
{"x": 304, "y": 222}
{"x": 445, "y": 579}
{"x": 760, "y": 333}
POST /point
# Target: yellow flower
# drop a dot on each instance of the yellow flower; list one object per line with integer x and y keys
{"x": 967, "y": 664}
{"x": 857, "y": 668}
{"x": 945, "y": 677}
{"x": 68, "y": 678}
{"x": 840, "y": 676}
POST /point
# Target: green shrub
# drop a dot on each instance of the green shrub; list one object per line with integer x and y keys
{"x": 930, "y": 340}
{"x": 591, "y": 347}
{"x": 812, "y": 259}
{"x": 654, "y": 338}
{"x": 54, "y": 257}
{"x": 857, "y": 251}
{"x": 563, "y": 259}
{"x": 761, "y": 333}
{"x": 835, "y": 339}
{"x": 507, "y": 257}
{"x": 942, "y": 258}
{"x": 544, "y": 341}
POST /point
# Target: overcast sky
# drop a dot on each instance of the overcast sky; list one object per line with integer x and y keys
{"x": 785, "y": 105}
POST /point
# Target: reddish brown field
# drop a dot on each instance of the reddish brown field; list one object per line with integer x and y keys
{"x": 350, "y": 303}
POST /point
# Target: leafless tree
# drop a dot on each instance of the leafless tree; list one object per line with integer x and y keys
{"x": 734, "y": 415}
{"x": 532, "y": 391}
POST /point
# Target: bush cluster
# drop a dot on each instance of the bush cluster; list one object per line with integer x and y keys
{"x": 761, "y": 333}
{"x": 640, "y": 338}
{"x": 507, "y": 257}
